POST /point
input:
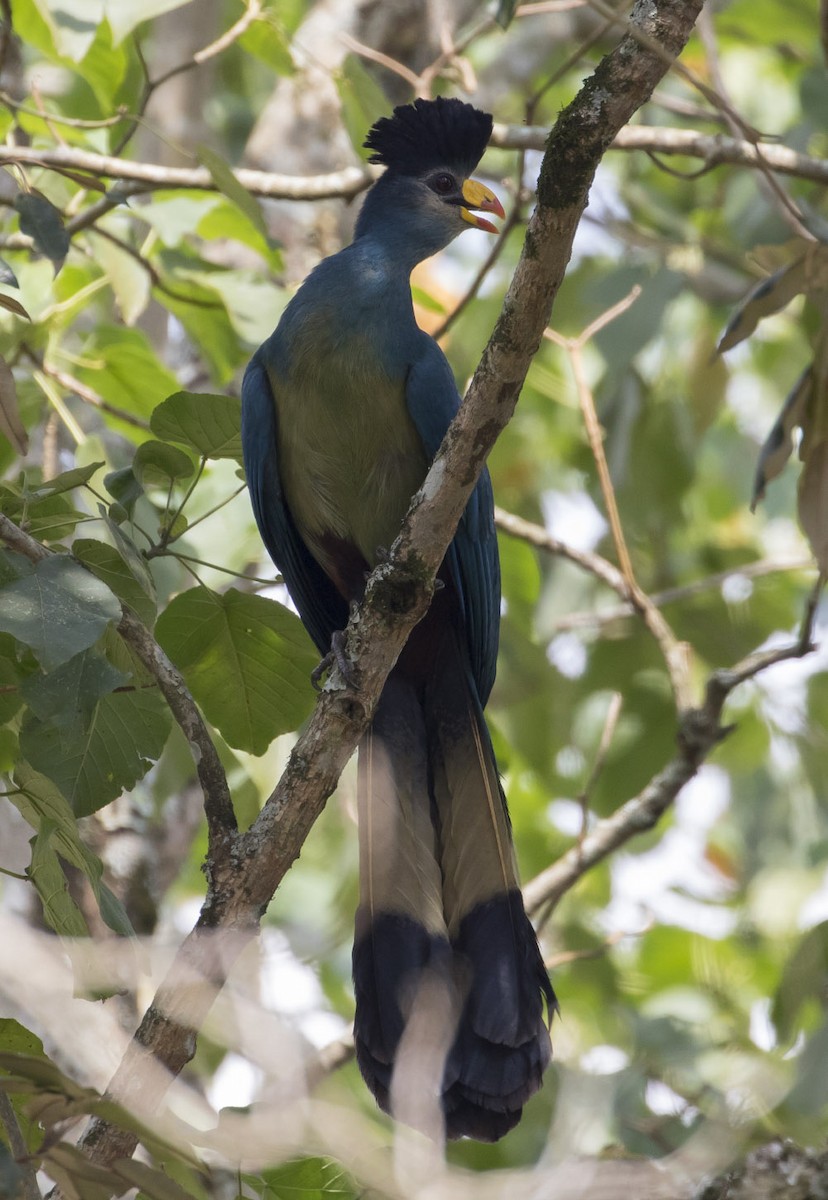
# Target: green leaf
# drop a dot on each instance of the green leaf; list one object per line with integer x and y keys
{"x": 129, "y": 579}
{"x": 265, "y": 39}
{"x": 49, "y": 518}
{"x": 39, "y": 801}
{"x": 131, "y": 284}
{"x": 127, "y": 371}
{"x": 66, "y": 696}
{"x": 228, "y": 184}
{"x": 58, "y": 610}
{"x": 59, "y": 909}
{"x": 43, "y": 223}
{"x": 312, "y": 1178}
{"x": 210, "y": 424}
{"x": 157, "y": 464}
{"x": 17, "y": 1039}
{"x": 124, "y": 487}
{"x": 363, "y": 102}
{"x": 246, "y": 659}
{"x": 154, "y": 1184}
{"x": 126, "y": 734}
{"x": 67, "y": 480}
{"x": 11, "y": 677}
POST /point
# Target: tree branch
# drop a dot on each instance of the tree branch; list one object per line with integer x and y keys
{"x": 700, "y": 731}
{"x": 139, "y": 178}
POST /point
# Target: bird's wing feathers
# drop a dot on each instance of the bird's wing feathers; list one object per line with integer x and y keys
{"x": 433, "y": 400}
{"x": 321, "y": 607}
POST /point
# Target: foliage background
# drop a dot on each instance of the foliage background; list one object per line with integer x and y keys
{"x": 691, "y": 964}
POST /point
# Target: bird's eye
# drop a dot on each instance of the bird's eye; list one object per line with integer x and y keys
{"x": 443, "y": 184}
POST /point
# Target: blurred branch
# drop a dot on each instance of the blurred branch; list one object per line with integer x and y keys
{"x": 674, "y": 652}
{"x": 755, "y": 570}
{"x": 140, "y": 178}
{"x": 700, "y": 731}
{"x": 218, "y": 805}
{"x": 539, "y": 537}
{"x": 399, "y": 590}
{"x": 777, "y": 195}
{"x": 87, "y": 394}
{"x": 715, "y": 149}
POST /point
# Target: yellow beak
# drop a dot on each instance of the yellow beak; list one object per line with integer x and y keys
{"x": 479, "y": 197}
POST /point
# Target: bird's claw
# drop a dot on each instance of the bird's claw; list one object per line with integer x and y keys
{"x": 335, "y": 657}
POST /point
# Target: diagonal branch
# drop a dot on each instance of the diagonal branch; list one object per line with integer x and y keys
{"x": 399, "y": 590}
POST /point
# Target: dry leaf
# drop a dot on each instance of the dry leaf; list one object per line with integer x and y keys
{"x": 768, "y": 297}
{"x": 779, "y": 443}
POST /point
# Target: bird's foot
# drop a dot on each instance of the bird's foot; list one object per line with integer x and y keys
{"x": 335, "y": 657}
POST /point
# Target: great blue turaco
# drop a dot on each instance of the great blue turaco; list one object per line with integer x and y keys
{"x": 344, "y": 407}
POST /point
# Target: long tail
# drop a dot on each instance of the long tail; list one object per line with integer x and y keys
{"x": 447, "y": 970}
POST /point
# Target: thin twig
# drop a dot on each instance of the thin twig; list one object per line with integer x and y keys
{"x": 606, "y": 616}
{"x": 675, "y": 653}
{"x": 383, "y": 60}
{"x": 700, "y": 731}
{"x": 539, "y": 537}
{"x": 716, "y": 96}
{"x": 86, "y": 394}
{"x": 789, "y": 211}
{"x": 216, "y": 47}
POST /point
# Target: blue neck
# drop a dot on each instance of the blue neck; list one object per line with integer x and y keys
{"x": 392, "y": 217}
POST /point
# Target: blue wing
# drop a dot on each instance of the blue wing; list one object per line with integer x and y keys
{"x": 320, "y": 606}
{"x": 432, "y": 399}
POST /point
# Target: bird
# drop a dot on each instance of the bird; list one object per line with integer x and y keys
{"x": 343, "y": 410}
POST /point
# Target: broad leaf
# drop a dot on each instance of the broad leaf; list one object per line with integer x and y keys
{"x": 39, "y": 801}
{"x": 59, "y": 909}
{"x": 129, "y": 578}
{"x": 363, "y": 101}
{"x": 11, "y": 678}
{"x": 123, "y": 486}
{"x": 43, "y": 223}
{"x": 246, "y": 659}
{"x": 126, "y": 734}
{"x": 210, "y": 424}
{"x": 58, "y": 610}
{"x": 157, "y": 464}
{"x": 67, "y": 696}
{"x": 68, "y": 480}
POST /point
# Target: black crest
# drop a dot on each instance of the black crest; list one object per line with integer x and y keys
{"x": 429, "y": 134}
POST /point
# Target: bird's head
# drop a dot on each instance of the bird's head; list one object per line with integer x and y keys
{"x": 430, "y": 149}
